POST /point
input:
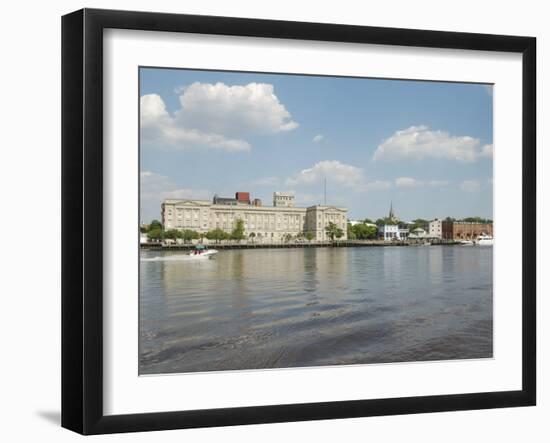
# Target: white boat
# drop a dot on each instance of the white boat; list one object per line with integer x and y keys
{"x": 484, "y": 240}
{"x": 466, "y": 242}
{"x": 202, "y": 252}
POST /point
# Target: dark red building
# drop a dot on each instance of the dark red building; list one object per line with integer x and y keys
{"x": 243, "y": 197}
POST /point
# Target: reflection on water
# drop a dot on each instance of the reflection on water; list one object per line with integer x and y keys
{"x": 275, "y": 308}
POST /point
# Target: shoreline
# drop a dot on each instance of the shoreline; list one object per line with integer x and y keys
{"x": 337, "y": 244}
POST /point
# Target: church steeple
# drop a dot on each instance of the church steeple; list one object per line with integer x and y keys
{"x": 391, "y": 215}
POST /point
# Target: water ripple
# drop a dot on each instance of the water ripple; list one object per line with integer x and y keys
{"x": 254, "y": 309}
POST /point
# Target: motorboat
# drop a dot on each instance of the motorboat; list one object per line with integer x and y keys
{"x": 202, "y": 251}
{"x": 484, "y": 240}
{"x": 466, "y": 242}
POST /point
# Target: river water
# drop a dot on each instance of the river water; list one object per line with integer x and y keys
{"x": 278, "y": 308}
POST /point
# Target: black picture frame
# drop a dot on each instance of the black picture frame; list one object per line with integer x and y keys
{"x": 82, "y": 218}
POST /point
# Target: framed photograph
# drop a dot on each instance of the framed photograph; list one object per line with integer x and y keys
{"x": 269, "y": 221}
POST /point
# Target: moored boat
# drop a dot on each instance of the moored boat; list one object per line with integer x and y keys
{"x": 484, "y": 240}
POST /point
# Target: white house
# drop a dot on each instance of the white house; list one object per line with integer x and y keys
{"x": 418, "y": 233}
{"x": 389, "y": 232}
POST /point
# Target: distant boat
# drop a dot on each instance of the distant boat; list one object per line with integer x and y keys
{"x": 466, "y": 242}
{"x": 202, "y": 251}
{"x": 484, "y": 240}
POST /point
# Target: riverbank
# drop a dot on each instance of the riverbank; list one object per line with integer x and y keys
{"x": 336, "y": 244}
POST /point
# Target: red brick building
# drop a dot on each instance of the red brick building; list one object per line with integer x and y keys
{"x": 243, "y": 197}
{"x": 464, "y": 230}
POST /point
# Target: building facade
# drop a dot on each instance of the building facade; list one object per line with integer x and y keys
{"x": 392, "y": 232}
{"x": 268, "y": 223}
{"x": 435, "y": 229}
{"x": 283, "y": 199}
{"x": 418, "y": 233}
{"x": 453, "y": 230}
{"x": 389, "y": 232}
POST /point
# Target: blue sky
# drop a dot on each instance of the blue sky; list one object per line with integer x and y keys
{"x": 426, "y": 146}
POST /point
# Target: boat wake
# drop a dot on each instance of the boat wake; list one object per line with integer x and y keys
{"x": 171, "y": 258}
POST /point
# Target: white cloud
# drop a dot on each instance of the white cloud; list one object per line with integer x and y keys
{"x": 234, "y": 110}
{"x": 159, "y": 186}
{"x": 333, "y": 170}
{"x": 215, "y": 116}
{"x": 154, "y": 188}
{"x": 376, "y": 185}
{"x": 318, "y": 138}
{"x": 337, "y": 173}
{"x": 409, "y": 182}
{"x": 160, "y": 128}
{"x": 470, "y": 186}
{"x": 419, "y": 142}
{"x": 486, "y": 151}
{"x": 406, "y": 182}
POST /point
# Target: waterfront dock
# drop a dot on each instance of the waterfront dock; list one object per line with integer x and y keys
{"x": 260, "y": 245}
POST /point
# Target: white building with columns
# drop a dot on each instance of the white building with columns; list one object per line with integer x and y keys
{"x": 268, "y": 223}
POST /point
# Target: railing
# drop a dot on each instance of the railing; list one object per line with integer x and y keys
{"x": 232, "y": 244}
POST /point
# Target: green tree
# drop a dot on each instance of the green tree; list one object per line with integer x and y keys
{"x": 287, "y": 237}
{"x": 372, "y": 232}
{"x": 155, "y": 234}
{"x": 477, "y": 220}
{"x": 217, "y": 235}
{"x": 386, "y": 221}
{"x": 364, "y": 232}
{"x": 252, "y": 236}
{"x": 310, "y": 235}
{"x": 238, "y": 230}
{"x": 333, "y": 231}
{"x": 351, "y": 232}
{"x": 368, "y": 220}
{"x": 173, "y": 234}
{"x": 189, "y": 235}
{"x": 155, "y": 224}
{"x": 419, "y": 223}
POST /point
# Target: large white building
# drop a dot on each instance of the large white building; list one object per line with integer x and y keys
{"x": 435, "y": 229}
{"x": 268, "y": 223}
